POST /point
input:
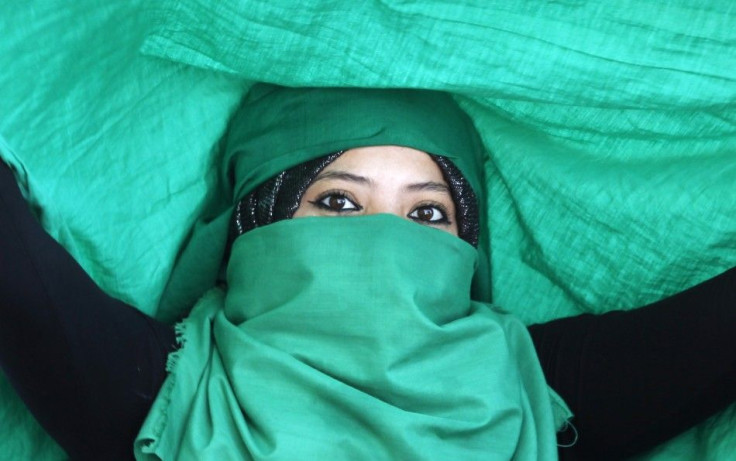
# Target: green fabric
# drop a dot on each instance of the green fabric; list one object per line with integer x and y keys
{"x": 609, "y": 128}
{"x": 625, "y": 54}
{"x": 334, "y": 340}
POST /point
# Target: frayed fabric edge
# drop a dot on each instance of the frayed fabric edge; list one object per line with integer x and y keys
{"x": 147, "y": 445}
{"x": 181, "y": 340}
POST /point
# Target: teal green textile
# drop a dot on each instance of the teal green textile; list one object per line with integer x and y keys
{"x": 351, "y": 338}
{"x": 609, "y": 128}
{"x": 625, "y": 54}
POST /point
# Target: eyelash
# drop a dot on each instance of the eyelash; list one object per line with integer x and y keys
{"x": 444, "y": 221}
{"x": 337, "y": 194}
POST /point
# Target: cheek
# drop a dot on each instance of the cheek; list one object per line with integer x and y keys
{"x": 452, "y": 228}
{"x": 303, "y": 210}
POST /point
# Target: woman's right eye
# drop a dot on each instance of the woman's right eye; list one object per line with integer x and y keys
{"x": 336, "y": 202}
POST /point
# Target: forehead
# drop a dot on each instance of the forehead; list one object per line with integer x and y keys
{"x": 395, "y": 162}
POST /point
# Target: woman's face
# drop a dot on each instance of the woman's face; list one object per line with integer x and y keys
{"x": 382, "y": 179}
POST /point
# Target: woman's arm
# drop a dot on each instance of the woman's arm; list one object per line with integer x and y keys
{"x": 636, "y": 379}
{"x": 87, "y": 365}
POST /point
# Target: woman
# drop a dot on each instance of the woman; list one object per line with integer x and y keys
{"x": 250, "y": 346}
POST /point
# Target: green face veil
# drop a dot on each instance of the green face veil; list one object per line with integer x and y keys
{"x": 351, "y": 338}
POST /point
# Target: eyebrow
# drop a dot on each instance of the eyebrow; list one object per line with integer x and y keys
{"x": 433, "y": 186}
{"x": 344, "y": 175}
{"x": 428, "y": 186}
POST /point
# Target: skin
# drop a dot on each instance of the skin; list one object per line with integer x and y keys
{"x": 382, "y": 179}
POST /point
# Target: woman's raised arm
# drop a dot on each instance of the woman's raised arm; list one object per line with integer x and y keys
{"x": 637, "y": 378}
{"x": 87, "y": 365}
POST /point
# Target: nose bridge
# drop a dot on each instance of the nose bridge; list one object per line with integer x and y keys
{"x": 385, "y": 201}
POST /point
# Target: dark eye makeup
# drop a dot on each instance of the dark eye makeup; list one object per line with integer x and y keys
{"x": 430, "y": 213}
{"x": 336, "y": 201}
{"x": 341, "y": 201}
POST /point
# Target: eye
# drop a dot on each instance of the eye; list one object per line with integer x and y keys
{"x": 335, "y": 201}
{"x": 430, "y": 214}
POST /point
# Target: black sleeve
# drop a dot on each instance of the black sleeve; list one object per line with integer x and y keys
{"x": 635, "y": 379}
{"x": 88, "y": 366}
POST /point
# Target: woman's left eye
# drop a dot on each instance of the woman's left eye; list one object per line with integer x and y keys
{"x": 429, "y": 214}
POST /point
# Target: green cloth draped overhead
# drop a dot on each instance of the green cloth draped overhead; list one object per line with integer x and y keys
{"x": 609, "y": 131}
{"x": 334, "y": 340}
